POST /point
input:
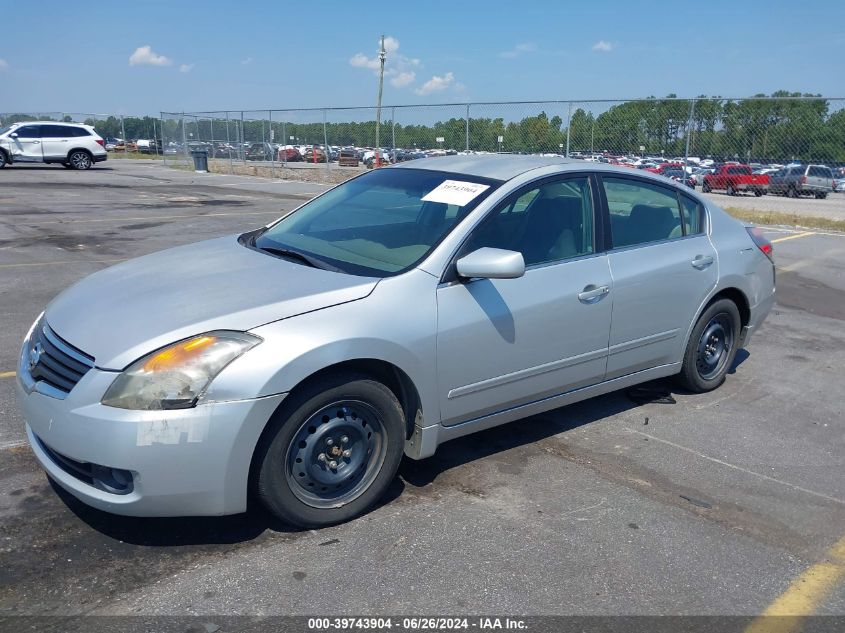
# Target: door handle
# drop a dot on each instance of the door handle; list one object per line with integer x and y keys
{"x": 593, "y": 293}
{"x": 36, "y": 142}
{"x": 702, "y": 261}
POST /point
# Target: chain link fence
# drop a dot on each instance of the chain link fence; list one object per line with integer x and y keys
{"x": 765, "y": 132}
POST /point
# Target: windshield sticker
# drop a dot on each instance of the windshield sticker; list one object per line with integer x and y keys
{"x": 455, "y": 192}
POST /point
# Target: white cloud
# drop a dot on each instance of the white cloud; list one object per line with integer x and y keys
{"x": 186, "y": 68}
{"x": 403, "y": 79}
{"x": 144, "y": 56}
{"x": 398, "y": 68}
{"x": 519, "y": 49}
{"x": 247, "y": 61}
{"x": 436, "y": 84}
{"x": 359, "y": 60}
{"x": 604, "y": 47}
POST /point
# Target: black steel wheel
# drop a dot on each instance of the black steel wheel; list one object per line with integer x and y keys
{"x": 331, "y": 451}
{"x": 336, "y": 454}
{"x": 712, "y": 347}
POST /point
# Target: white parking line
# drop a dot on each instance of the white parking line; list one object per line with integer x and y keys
{"x": 739, "y": 468}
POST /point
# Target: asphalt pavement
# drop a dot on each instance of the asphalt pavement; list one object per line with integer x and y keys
{"x": 693, "y": 504}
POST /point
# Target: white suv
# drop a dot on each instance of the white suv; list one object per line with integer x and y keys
{"x": 73, "y": 145}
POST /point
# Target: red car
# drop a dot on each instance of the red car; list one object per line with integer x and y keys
{"x": 734, "y": 178}
{"x": 663, "y": 167}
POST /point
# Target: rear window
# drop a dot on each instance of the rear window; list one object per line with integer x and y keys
{"x": 820, "y": 172}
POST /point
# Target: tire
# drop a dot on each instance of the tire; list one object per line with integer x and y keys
{"x": 3, "y": 159}
{"x": 729, "y": 189}
{"x": 821, "y": 196}
{"x": 307, "y": 470}
{"x": 705, "y": 188}
{"x": 758, "y": 192}
{"x": 711, "y": 348}
{"x": 791, "y": 192}
{"x": 80, "y": 159}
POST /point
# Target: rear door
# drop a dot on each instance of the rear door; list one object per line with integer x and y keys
{"x": 56, "y": 141}
{"x": 25, "y": 144}
{"x": 663, "y": 267}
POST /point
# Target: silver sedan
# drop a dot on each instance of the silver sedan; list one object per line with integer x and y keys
{"x": 406, "y": 307}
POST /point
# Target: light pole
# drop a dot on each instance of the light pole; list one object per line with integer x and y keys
{"x": 382, "y": 55}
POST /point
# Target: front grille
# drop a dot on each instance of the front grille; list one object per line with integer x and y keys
{"x": 54, "y": 361}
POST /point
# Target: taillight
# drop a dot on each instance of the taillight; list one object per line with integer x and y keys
{"x": 101, "y": 142}
{"x": 760, "y": 240}
{"x": 803, "y": 180}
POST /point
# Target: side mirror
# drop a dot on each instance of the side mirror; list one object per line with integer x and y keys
{"x": 491, "y": 263}
{"x": 14, "y": 135}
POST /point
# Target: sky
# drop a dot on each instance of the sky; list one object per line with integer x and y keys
{"x": 138, "y": 57}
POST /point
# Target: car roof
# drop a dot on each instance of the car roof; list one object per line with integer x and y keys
{"x": 496, "y": 166}
{"x": 508, "y": 166}
{"x": 51, "y": 123}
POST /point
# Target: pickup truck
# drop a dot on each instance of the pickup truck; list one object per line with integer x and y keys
{"x": 735, "y": 178}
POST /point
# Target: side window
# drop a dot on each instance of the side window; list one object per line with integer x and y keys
{"x": 548, "y": 223}
{"x": 54, "y": 131}
{"x": 693, "y": 216}
{"x": 29, "y": 131}
{"x": 77, "y": 131}
{"x": 641, "y": 212}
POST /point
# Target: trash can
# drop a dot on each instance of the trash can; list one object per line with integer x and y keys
{"x": 200, "y": 157}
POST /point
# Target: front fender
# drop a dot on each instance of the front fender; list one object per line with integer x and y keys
{"x": 396, "y": 324}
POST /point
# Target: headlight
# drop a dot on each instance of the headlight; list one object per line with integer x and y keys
{"x": 176, "y": 376}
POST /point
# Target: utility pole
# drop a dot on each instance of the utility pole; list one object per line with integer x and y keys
{"x": 382, "y": 55}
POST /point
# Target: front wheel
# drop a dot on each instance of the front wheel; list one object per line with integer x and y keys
{"x": 80, "y": 160}
{"x": 821, "y": 196}
{"x": 705, "y": 188}
{"x": 331, "y": 452}
{"x": 3, "y": 160}
{"x": 730, "y": 190}
{"x": 711, "y": 348}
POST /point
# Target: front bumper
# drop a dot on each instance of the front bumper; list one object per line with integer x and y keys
{"x": 183, "y": 462}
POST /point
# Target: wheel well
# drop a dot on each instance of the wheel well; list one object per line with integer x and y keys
{"x": 80, "y": 149}
{"x": 738, "y": 297}
{"x": 386, "y": 373}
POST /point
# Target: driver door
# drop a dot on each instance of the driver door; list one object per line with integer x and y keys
{"x": 25, "y": 147}
{"x": 506, "y": 342}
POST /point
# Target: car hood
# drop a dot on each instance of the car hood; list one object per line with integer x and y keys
{"x": 126, "y": 311}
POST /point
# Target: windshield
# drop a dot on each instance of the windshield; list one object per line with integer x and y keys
{"x": 378, "y": 224}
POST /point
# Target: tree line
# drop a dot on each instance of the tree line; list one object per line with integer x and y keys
{"x": 778, "y": 127}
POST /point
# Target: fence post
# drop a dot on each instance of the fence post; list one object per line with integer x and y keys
{"x": 568, "y": 127}
{"x": 123, "y": 132}
{"x": 326, "y": 144}
{"x": 467, "y": 129}
{"x": 229, "y": 144}
{"x": 242, "y": 148}
{"x": 285, "y": 143}
{"x": 393, "y": 127}
{"x": 689, "y": 131}
{"x": 161, "y": 129}
{"x": 273, "y": 150}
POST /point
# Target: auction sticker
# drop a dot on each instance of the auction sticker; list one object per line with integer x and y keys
{"x": 455, "y": 192}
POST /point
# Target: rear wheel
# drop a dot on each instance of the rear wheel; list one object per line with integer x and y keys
{"x": 730, "y": 190}
{"x": 711, "y": 348}
{"x": 791, "y": 192}
{"x": 331, "y": 451}
{"x": 80, "y": 159}
{"x": 821, "y": 196}
{"x": 758, "y": 192}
